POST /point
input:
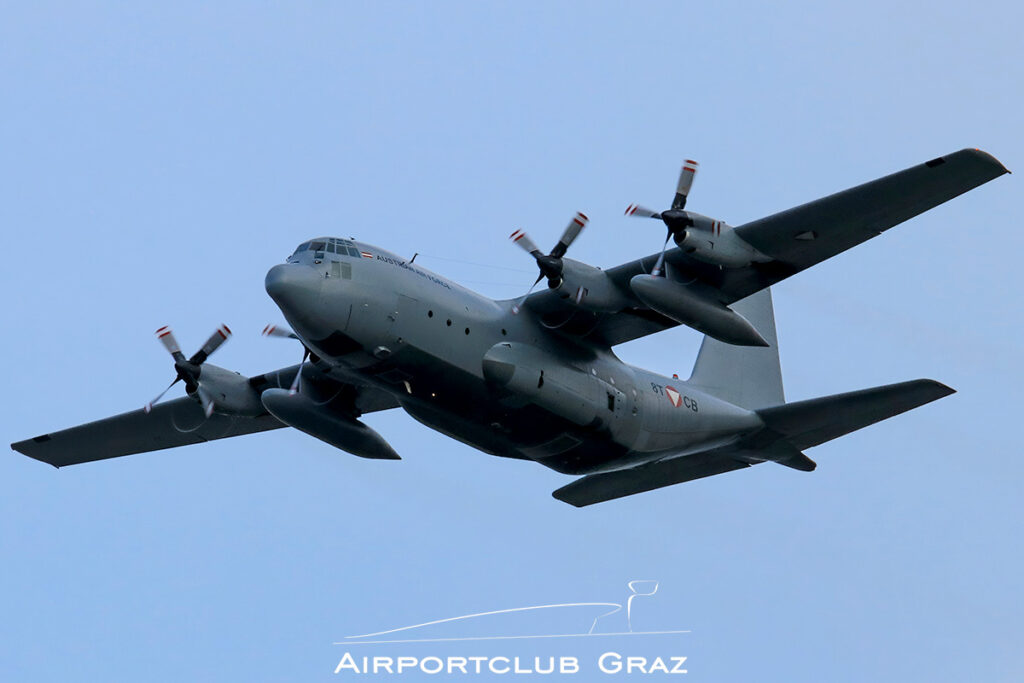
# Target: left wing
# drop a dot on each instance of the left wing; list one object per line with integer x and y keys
{"x": 180, "y": 422}
{"x": 795, "y": 240}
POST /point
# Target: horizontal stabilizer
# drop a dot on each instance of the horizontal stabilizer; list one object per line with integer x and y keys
{"x": 808, "y": 423}
{"x": 597, "y": 488}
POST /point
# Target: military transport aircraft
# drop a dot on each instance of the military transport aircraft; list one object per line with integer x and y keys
{"x": 536, "y": 378}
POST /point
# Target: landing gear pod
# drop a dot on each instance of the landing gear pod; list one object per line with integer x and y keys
{"x": 554, "y": 386}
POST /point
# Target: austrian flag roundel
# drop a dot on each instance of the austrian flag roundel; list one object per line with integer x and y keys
{"x": 674, "y": 396}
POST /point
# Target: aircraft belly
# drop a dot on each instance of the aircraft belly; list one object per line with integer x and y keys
{"x": 460, "y": 404}
{"x": 525, "y": 433}
{"x": 428, "y": 353}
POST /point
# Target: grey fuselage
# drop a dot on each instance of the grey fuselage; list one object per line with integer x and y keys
{"x": 469, "y": 367}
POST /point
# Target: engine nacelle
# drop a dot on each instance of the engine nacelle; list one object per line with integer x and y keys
{"x": 330, "y": 426}
{"x": 231, "y": 392}
{"x": 712, "y": 241}
{"x": 590, "y": 288}
{"x": 711, "y": 317}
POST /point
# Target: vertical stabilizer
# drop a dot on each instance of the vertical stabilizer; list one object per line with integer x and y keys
{"x": 747, "y": 376}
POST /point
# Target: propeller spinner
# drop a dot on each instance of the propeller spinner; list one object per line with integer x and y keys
{"x": 189, "y": 370}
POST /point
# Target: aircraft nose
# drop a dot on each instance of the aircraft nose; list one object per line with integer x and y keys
{"x": 294, "y": 287}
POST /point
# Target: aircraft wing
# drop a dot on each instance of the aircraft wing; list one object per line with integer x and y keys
{"x": 801, "y": 237}
{"x": 795, "y": 239}
{"x": 180, "y": 422}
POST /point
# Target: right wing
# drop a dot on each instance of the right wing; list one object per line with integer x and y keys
{"x": 174, "y": 423}
{"x": 180, "y": 422}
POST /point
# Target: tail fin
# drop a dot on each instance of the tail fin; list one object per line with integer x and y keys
{"x": 747, "y": 376}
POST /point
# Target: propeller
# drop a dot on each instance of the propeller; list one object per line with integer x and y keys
{"x": 275, "y": 331}
{"x": 189, "y": 370}
{"x": 675, "y": 218}
{"x": 283, "y": 332}
{"x": 550, "y": 265}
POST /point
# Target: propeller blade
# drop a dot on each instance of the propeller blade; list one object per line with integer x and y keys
{"x": 206, "y": 400}
{"x": 661, "y": 258}
{"x": 275, "y": 331}
{"x": 297, "y": 382}
{"x": 686, "y": 176}
{"x": 149, "y": 406}
{"x": 641, "y": 212}
{"x": 166, "y": 337}
{"x": 518, "y": 306}
{"x": 524, "y": 241}
{"x": 211, "y": 345}
{"x": 572, "y": 231}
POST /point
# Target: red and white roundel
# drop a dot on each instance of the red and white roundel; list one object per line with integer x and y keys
{"x": 674, "y": 396}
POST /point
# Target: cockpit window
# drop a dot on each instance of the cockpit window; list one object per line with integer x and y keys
{"x": 330, "y": 245}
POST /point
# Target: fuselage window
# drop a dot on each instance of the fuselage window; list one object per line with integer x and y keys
{"x": 317, "y": 246}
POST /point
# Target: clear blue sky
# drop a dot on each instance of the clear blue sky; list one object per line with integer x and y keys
{"x": 156, "y": 161}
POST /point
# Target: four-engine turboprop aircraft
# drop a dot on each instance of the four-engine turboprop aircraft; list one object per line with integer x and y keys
{"x": 536, "y": 378}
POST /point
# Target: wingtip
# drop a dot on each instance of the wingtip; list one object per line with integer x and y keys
{"x": 941, "y": 390}
{"x": 982, "y": 154}
{"x": 565, "y": 499}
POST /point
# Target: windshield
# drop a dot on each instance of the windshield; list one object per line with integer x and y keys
{"x": 331, "y": 245}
